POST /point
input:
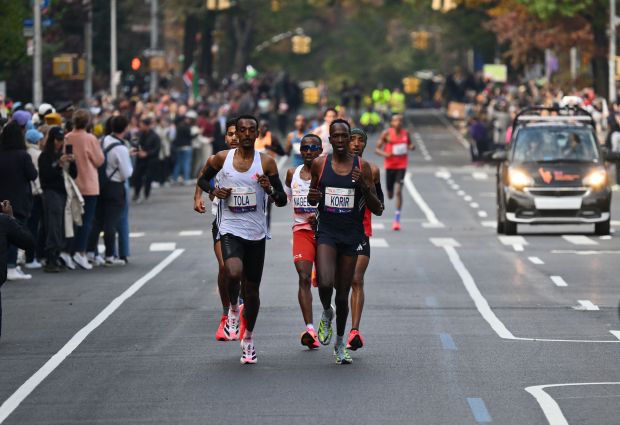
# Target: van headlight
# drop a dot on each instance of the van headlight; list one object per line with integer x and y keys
{"x": 596, "y": 179}
{"x": 519, "y": 179}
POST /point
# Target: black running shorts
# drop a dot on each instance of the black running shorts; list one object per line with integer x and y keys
{"x": 364, "y": 248}
{"x": 215, "y": 230}
{"x": 344, "y": 247}
{"x": 393, "y": 176}
{"x": 251, "y": 254}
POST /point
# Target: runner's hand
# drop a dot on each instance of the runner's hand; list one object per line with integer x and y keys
{"x": 222, "y": 192}
{"x": 199, "y": 206}
{"x": 314, "y": 194}
{"x": 264, "y": 183}
{"x": 356, "y": 175}
{"x": 6, "y": 208}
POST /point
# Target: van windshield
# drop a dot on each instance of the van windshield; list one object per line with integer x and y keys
{"x": 551, "y": 144}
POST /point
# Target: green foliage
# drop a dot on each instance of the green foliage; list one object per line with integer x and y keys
{"x": 13, "y": 50}
{"x": 546, "y": 9}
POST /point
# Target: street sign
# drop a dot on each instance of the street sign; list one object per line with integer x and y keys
{"x": 28, "y": 25}
{"x": 153, "y": 52}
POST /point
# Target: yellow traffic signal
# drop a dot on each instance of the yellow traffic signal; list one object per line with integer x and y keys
{"x": 301, "y": 44}
{"x": 444, "y": 5}
{"x": 275, "y": 5}
{"x": 411, "y": 85}
{"x": 62, "y": 66}
{"x": 419, "y": 39}
{"x": 311, "y": 95}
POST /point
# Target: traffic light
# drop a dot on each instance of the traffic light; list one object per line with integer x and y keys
{"x": 69, "y": 67}
{"x": 411, "y": 85}
{"x": 311, "y": 95}
{"x": 419, "y": 39}
{"x": 136, "y": 63}
{"x": 276, "y": 5}
{"x": 444, "y": 5}
{"x": 301, "y": 44}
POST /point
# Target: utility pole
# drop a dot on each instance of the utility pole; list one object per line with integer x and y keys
{"x": 154, "y": 36}
{"x": 37, "y": 79}
{"x": 613, "y": 21}
{"x": 88, "y": 50}
{"x": 113, "y": 51}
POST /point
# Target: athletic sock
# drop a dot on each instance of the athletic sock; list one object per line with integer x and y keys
{"x": 397, "y": 216}
{"x": 329, "y": 313}
{"x": 248, "y": 336}
{"x": 234, "y": 311}
{"x": 310, "y": 327}
{"x": 339, "y": 340}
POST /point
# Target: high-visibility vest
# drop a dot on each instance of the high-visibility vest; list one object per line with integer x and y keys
{"x": 397, "y": 103}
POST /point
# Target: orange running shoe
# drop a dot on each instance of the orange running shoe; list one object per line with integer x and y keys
{"x": 396, "y": 225}
{"x": 220, "y": 335}
{"x": 355, "y": 340}
{"x": 310, "y": 339}
{"x": 242, "y": 323}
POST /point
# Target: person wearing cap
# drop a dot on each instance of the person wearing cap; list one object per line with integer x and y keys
{"x": 16, "y": 173}
{"x": 34, "y": 139}
{"x": 53, "y": 162}
{"x": 88, "y": 158}
{"x": 22, "y": 118}
{"x": 44, "y": 109}
{"x": 53, "y": 118}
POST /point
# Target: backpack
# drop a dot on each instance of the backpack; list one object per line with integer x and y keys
{"x": 104, "y": 179}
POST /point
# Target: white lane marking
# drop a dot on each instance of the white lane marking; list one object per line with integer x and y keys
{"x": 459, "y": 137}
{"x": 492, "y": 224}
{"x": 378, "y": 243}
{"x": 615, "y": 333}
{"x": 474, "y": 205}
{"x": 606, "y": 237}
{"x": 482, "y": 214}
{"x": 586, "y": 305}
{"x": 461, "y": 193}
{"x": 558, "y": 281}
{"x": 281, "y": 162}
{"x": 450, "y": 245}
{"x": 549, "y": 406}
{"x": 517, "y": 242}
{"x": 443, "y": 174}
{"x": 455, "y": 187}
{"x": 431, "y": 218}
{"x": 162, "y": 246}
{"x": 579, "y": 240}
{"x": 480, "y": 175}
{"x": 11, "y": 403}
{"x": 468, "y": 198}
{"x": 583, "y": 252}
{"x": 136, "y": 234}
{"x": 378, "y": 226}
{"x": 536, "y": 260}
{"x": 422, "y": 146}
{"x": 190, "y": 233}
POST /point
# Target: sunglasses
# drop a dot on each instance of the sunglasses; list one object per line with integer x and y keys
{"x": 312, "y": 148}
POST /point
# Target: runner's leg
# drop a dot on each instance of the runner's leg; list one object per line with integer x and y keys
{"x": 357, "y": 294}
{"x": 326, "y": 269}
{"x": 346, "y": 269}
{"x": 304, "y": 295}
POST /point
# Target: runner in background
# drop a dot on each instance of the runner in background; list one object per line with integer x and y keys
{"x": 323, "y": 130}
{"x": 394, "y": 145}
{"x": 293, "y": 141}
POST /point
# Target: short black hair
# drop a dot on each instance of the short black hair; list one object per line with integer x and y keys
{"x": 247, "y": 117}
{"x": 230, "y": 123}
{"x": 119, "y": 124}
{"x": 312, "y": 136}
{"x": 330, "y": 109}
{"x": 146, "y": 121}
{"x": 340, "y": 121}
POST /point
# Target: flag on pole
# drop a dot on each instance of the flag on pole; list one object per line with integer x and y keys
{"x": 190, "y": 77}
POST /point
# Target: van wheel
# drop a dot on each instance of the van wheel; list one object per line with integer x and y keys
{"x": 510, "y": 228}
{"x": 603, "y": 228}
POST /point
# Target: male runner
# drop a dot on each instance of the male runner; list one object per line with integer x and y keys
{"x": 394, "y": 145}
{"x": 356, "y": 146}
{"x": 293, "y": 141}
{"x": 323, "y": 130}
{"x": 304, "y": 245}
{"x": 247, "y": 179}
{"x": 232, "y": 142}
{"x": 342, "y": 187}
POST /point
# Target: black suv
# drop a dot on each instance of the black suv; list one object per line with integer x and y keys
{"x": 553, "y": 171}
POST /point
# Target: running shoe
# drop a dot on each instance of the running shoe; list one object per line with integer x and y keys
{"x": 231, "y": 328}
{"x": 242, "y": 323}
{"x": 325, "y": 328}
{"x": 66, "y": 258}
{"x": 220, "y": 335}
{"x": 16, "y": 273}
{"x": 355, "y": 340}
{"x": 396, "y": 225}
{"x": 248, "y": 352}
{"x": 33, "y": 265}
{"x": 81, "y": 261}
{"x": 342, "y": 354}
{"x": 309, "y": 339}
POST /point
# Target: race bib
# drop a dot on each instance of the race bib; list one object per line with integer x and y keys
{"x": 339, "y": 200}
{"x": 399, "y": 149}
{"x": 300, "y": 202}
{"x": 242, "y": 200}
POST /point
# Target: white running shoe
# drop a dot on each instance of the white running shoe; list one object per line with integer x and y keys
{"x": 33, "y": 265}
{"x": 66, "y": 258}
{"x": 16, "y": 273}
{"x": 113, "y": 262}
{"x": 231, "y": 328}
{"x": 97, "y": 260}
{"x": 82, "y": 261}
{"x": 248, "y": 352}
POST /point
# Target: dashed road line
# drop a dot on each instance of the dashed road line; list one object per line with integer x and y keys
{"x": 479, "y": 410}
{"x": 478, "y": 175}
{"x": 474, "y": 205}
{"x": 378, "y": 226}
{"x": 190, "y": 233}
{"x": 491, "y": 224}
{"x": 586, "y": 305}
{"x": 447, "y": 342}
{"x": 136, "y": 234}
{"x": 579, "y": 240}
{"x": 468, "y": 198}
{"x": 536, "y": 260}
{"x": 378, "y": 243}
{"x": 422, "y": 146}
{"x": 431, "y": 218}
{"x": 517, "y": 242}
{"x": 584, "y": 252}
{"x": 459, "y": 137}
{"x": 461, "y": 193}
{"x": 482, "y": 214}
{"x": 558, "y": 281}
{"x": 162, "y": 246}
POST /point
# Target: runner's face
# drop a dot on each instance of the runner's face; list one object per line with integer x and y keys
{"x": 300, "y": 123}
{"x": 397, "y": 121}
{"x": 306, "y": 149}
{"x": 231, "y": 137}
{"x": 357, "y": 144}
{"x": 329, "y": 117}
{"x": 246, "y": 133}
{"x": 339, "y": 137}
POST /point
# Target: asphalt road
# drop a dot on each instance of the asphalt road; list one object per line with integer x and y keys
{"x": 461, "y": 327}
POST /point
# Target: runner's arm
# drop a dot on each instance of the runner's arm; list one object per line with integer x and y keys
{"x": 379, "y": 150}
{"x": 376, "y": 177}
{"x": 214, "y": 167}
{"x": 367, "y": 185}
{"x": 411, "y": 146}
{"x": 287, "y": 183}
{"x": 277, "y": 191}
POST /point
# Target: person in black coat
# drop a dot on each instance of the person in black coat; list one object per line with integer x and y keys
{"x": 11, "y": 233}
{"x": 147, "y": 155}
{"x": 16, "y": 173}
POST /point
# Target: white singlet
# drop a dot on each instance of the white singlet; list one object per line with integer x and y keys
{"x": 243, "y": 214}
{"x": 298, "y": 197}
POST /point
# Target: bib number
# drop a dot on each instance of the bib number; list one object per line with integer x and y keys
{"x": 399, "y": 149}
{"x": 242, "y": 200}
{"x": 300, "y": 203}
{"x": 339, "y": 200}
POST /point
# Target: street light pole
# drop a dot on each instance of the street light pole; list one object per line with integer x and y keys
{"x": 88, "y": 50}
{"x": 154, "y": 36}
{"x": 613, "y": 95}
{"x": 113, "y": 51}
{"x": 37, "y": 82}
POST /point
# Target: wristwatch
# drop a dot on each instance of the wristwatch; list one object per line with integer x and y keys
{"x": 270, "y": 191}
